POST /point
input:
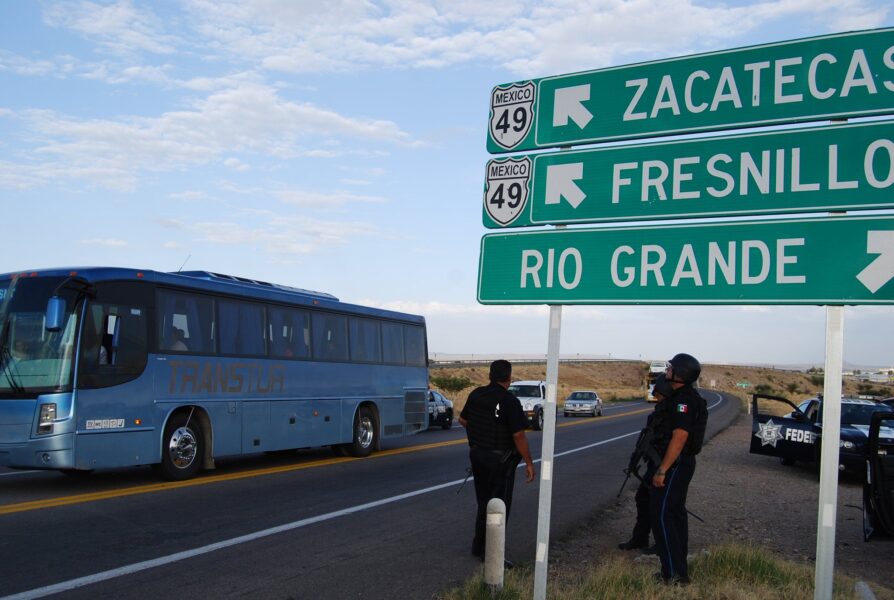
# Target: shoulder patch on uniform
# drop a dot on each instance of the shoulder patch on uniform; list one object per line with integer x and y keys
{"x": 683, "y": 408}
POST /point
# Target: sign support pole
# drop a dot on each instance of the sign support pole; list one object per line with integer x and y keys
{"x": 546, "y": 453}
{"x": 828, "y": 490}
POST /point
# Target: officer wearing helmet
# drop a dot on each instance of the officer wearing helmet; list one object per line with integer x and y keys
{"x": 679, "y": 434}
{"x": 639, "y": 539}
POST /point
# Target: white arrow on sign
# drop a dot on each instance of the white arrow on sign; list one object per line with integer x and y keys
{"x": 881, "y": 270}
{"x": 569, "y": 104}
{"x": 560, "y": 182}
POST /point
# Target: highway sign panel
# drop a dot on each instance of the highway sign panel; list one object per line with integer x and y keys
{"x": 835, "y": 76}
{"x": 840, "y": 167}
{"x": 831, "y": 260}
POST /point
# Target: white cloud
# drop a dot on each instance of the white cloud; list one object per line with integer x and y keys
{"x": 280, "y": 235}
{"x": 249, "y": 118}
{"x": 189, "y": 196}
{"x": 530, "y": 38}
{"x": 236, "y": 164}
{"x": 335, "y": 199}
{"x": 110, "y": 242}
{"x": 119, "y": 26}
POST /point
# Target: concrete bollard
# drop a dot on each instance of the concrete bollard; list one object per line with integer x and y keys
{"x": 495, "y": 543}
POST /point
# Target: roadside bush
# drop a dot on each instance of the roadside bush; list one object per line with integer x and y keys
{"x": 763, "y": 388}
{"x": 817, "y": 379}
{"x": 451, "y": 384}
{"x": 866, "y": 389}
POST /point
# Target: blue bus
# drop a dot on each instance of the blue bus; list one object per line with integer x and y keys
{"x": 112, "y": 367}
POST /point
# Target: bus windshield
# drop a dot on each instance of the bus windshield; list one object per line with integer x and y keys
{"x": 32, "y": 359}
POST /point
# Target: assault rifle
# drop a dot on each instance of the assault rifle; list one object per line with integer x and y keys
{"x": 641, "y": 452}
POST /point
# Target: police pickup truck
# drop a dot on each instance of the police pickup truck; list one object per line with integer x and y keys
{"x": 796, "y": 436}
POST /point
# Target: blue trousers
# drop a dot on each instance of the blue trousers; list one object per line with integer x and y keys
{"x": 670, "y": 522}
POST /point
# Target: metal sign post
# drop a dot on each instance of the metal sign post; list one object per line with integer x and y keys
{"x": 828, "y": 491}
{"x": 546, "y": 453}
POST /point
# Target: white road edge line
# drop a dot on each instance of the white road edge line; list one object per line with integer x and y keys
{"x": 72, "y": 584}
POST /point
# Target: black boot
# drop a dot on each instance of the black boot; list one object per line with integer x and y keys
{"x": 633, "y": 544}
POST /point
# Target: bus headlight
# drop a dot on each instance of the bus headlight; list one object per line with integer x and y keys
{"x": 47, "y": 416}
{"x": 846, "y": 444}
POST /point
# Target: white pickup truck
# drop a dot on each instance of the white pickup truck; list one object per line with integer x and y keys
{"x": 532, "y": 395}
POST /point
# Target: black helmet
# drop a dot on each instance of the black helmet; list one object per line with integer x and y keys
{"x": 662, "y": 387}
{"x": 686, "y": 368}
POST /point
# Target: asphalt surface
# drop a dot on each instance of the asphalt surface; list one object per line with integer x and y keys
{"x": 301, "y": 525}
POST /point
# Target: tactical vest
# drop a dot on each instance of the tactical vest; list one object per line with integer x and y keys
{"x": 697, "y": 435}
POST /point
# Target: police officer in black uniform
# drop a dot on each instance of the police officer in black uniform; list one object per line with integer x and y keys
{"x": 495, "y": 425}
{"x": 639, "y": 539}
{"x": 679, "y": 433}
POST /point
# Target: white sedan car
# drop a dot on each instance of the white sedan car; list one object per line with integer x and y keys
{"x": 585, "y": 402}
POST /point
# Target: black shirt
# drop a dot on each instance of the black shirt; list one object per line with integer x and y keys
{"x": 493, "y": 414}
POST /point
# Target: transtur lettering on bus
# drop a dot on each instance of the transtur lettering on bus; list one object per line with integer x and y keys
{"x": 752, "y": 257}
{"x": 783, "y": 74}
{"x": 216, "y": 377}
{"x": 779, "y": 170}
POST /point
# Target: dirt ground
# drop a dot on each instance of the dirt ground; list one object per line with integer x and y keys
{"x": 746, "y": 498}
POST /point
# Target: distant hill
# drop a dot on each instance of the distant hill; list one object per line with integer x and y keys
{"x": 625, "y": 379}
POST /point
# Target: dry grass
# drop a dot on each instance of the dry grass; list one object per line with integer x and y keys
{"x": 625, "y": 380}
{"x": 732, "y": 572}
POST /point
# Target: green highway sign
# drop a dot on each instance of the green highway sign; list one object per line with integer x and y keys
{"x": 835, "y": 76}
{"x": 840, "y": 167}
{"x": 831, "y": 260}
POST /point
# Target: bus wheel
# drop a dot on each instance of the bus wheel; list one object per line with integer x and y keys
{"x": 182, "y": 448}
{"x": 365, "y": 433}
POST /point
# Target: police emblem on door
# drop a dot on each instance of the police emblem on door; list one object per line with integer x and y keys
{"x": 511, "y": 114}
{"x": 507, "y": 189}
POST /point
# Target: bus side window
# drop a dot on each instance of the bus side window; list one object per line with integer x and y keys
{"x": 185, "y": 322}
{"x": 392, "y": 343}
{"x": 414, "y": 340}
{"x": 366, "y": 341}
{"x": 330, "y": 336}
{"x": 241, "y": 328}
{"x": 114, "y": 346}
{"x": 289, "y": 333}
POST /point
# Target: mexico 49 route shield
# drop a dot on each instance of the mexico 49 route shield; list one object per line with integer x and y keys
{"x": 844, "y": 260}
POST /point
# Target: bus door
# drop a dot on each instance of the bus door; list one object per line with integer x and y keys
{"x": 878, "y": 488}
{"x": 790, "y": 436}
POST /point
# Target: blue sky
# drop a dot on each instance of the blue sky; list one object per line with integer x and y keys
{"x": 340, "y": 146}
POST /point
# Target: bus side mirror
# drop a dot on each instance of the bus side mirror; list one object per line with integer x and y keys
{"x": 55, "y": 313}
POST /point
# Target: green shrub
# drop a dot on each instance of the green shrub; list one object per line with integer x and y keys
{"x": 451, "y": 384}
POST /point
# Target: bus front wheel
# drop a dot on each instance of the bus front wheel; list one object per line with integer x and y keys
{"x": 366, "y": 433}
{"x": 182, "y": 448}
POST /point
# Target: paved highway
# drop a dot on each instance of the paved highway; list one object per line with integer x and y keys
{"x": 304, "y": 525}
